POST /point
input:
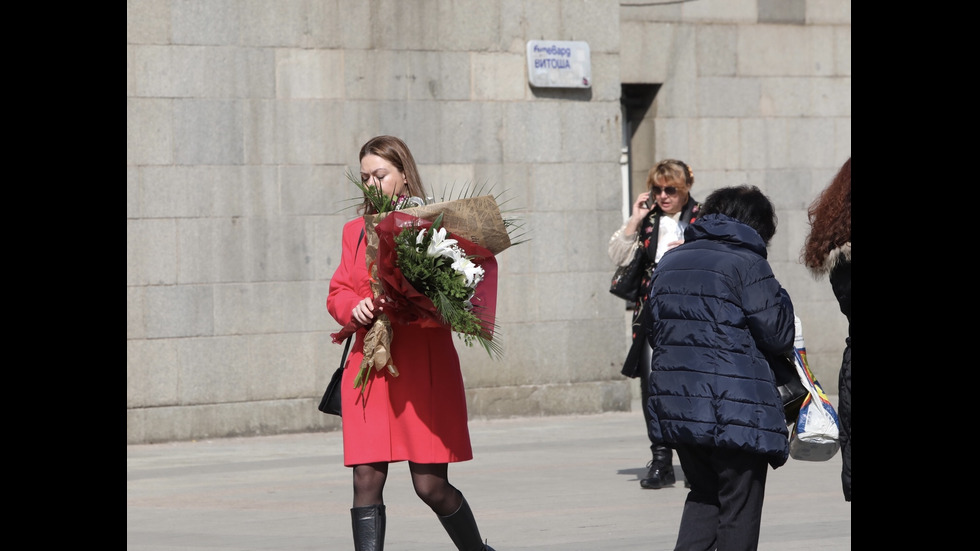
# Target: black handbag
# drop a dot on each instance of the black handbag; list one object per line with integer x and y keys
{"x": 792, "y": 392}
{"x": 330, "y": 403}
{"x": 626, "y": 280}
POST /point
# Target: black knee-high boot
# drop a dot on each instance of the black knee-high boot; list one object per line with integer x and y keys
{"x": 368, "y": 524}
{"x": 660, "y": 469}
{"x": 462, "y": 529}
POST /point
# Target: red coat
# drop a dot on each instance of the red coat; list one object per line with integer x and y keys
{"x": 418, "y": 416}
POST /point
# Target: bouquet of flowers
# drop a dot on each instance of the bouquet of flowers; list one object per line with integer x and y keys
{"x": 431, "y": 264}
{"x": 441, "y": 270}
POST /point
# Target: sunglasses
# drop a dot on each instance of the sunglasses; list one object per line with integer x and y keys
{"x": 669, "y": 190}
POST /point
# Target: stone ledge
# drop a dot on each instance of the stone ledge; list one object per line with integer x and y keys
{"x": 269, "y": 417}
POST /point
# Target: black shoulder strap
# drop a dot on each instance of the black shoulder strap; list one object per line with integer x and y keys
{"x": 343, "y": 357}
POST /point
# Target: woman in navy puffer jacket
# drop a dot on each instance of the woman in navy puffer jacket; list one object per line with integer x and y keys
{"x": 715, "y": 310}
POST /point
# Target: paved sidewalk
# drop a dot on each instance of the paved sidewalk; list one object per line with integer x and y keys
{"x": 536, "y": 483}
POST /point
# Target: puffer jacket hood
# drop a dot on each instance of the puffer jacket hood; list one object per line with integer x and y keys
{"x": 726, "y": 229}
{"x": 715, "y": 309}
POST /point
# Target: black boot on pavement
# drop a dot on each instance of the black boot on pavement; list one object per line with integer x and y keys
{"x": 661, "y": 469}
{"x": 462, "y": 529}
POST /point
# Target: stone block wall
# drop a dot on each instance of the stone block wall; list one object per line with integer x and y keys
{"x": 243, "y": 117}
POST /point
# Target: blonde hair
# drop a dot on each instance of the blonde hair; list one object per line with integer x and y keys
{"x": 671, "y": 170}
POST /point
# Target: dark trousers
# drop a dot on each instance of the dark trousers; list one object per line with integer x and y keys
{"x": 723, "y": 509}
{"x": 644, "y": 369}
{"x": 844, "y": 414}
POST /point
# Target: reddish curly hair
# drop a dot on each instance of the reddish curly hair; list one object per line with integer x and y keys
{"x": 830, "y": 221}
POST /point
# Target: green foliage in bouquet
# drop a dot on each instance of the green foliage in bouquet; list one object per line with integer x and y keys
{"x": 383, "y": 203}
{"x": 439, "y": 269}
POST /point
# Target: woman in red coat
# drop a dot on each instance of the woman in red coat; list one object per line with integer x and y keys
{"x": 418, "y": 416}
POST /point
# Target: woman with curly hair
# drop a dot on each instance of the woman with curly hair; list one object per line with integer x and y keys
{"x": 827, "y": 250}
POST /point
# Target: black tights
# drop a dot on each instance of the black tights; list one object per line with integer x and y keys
{"x": 431, "y": 482}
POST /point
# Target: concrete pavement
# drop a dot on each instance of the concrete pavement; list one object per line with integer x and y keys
{"x": 535, "y": 483}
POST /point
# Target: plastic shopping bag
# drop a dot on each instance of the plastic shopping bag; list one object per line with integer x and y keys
{"x": 816, "y": 436}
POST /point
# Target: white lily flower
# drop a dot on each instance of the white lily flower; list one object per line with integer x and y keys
{"x": 469, "y": 270}
{"x": 440, "y": 246}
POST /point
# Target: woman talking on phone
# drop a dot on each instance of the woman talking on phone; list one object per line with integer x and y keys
{"x": 655, "y": 226}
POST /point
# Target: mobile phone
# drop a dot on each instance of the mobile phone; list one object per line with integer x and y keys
{"x": 650, "y": 201}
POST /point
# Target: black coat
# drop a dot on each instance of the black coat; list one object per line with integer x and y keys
{"x": 715, "y": 309}
{"x": 840, "y": 279}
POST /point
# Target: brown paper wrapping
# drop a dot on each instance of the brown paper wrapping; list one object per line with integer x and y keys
{"x": 477, "y": 219}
